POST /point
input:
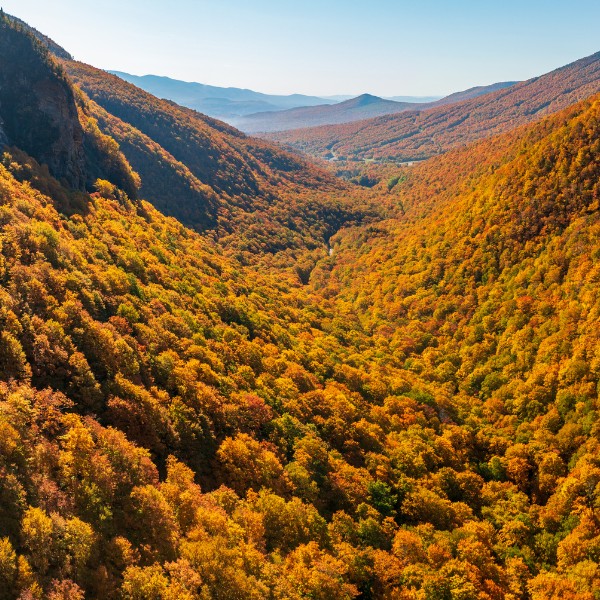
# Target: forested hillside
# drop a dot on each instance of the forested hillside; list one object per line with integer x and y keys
{"x": 363, "y": 107}
{"x": 86, "y": 124}
{"x": 214, "y": 178}
{"x": 414, "y": 416}
{"x": 487, "y": 291}
{"x": 419, "y": 135}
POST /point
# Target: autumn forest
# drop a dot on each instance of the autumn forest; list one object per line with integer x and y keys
{"x": 230, "y": 370}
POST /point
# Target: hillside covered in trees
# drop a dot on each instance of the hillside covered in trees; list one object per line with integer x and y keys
{"x": 360, "y": 108}
{"x": 251, "y": 194}
{"x": 413, "y": 416}
{"x": 418, "y": 135}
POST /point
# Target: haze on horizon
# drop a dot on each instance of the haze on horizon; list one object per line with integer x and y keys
{"x": 324, "y": 47}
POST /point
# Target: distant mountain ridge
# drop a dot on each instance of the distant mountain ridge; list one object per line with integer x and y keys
{"x": 363, "y": 107}
{"x": 218, "y": 102}
{"x": 233, "y": 105}
{"x": 355, "y": 109}
{"x": 474, "y": 92}
{"x": 415, "y": 135}
{"x": 415, "y": 99}
{"x": 255, "y": 112}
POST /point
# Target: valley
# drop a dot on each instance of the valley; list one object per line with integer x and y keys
{"x": 351, "y": 361}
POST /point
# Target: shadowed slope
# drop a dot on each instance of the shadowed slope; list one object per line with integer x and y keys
{"x": 217, "y": 178}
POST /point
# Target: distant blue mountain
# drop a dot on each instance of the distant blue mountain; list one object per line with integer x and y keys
{"x": 363, "y": 107}
{"x": 414, "y": 99}
{"x": 222, "y": 103}
{"x": 254, "y": 112}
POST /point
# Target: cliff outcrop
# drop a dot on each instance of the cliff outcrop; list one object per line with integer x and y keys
{"x": 37, "y": 106}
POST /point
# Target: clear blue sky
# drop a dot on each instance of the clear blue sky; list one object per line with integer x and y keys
{"x": 323, "y": 47}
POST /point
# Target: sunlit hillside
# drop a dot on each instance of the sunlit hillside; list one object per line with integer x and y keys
{"x": 227, "y": 374}
{"x": 419, "y": 135}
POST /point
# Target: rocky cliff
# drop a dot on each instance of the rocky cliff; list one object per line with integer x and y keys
{"x": 37, "y": 106}
{"x": 43, "y": 114}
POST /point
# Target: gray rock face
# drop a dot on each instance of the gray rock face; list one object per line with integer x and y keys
{"x": 65, "y": 156}
{"x": 37, "y": 107}
{"x": 3, "y": 137}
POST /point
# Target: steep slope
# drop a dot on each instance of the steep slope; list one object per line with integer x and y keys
{"x": 488, "y": 290}
{"x": 212, "y": 177}
{"x": 37, "y": 106}
{"x": 43, "y": 115}
{"x": 355, "y": 109}
{"x": 220, "y": 155}
{"x": 414, "y": 136}
{"x": 52, "y": 46}
{"x": 222, "y": 103}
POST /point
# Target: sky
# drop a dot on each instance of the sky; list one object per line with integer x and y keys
{"x": 323, "y": 47}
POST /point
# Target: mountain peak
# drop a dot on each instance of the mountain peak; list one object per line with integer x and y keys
{"x": 455, "y": 120}
{"x": 364, "y": 100}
